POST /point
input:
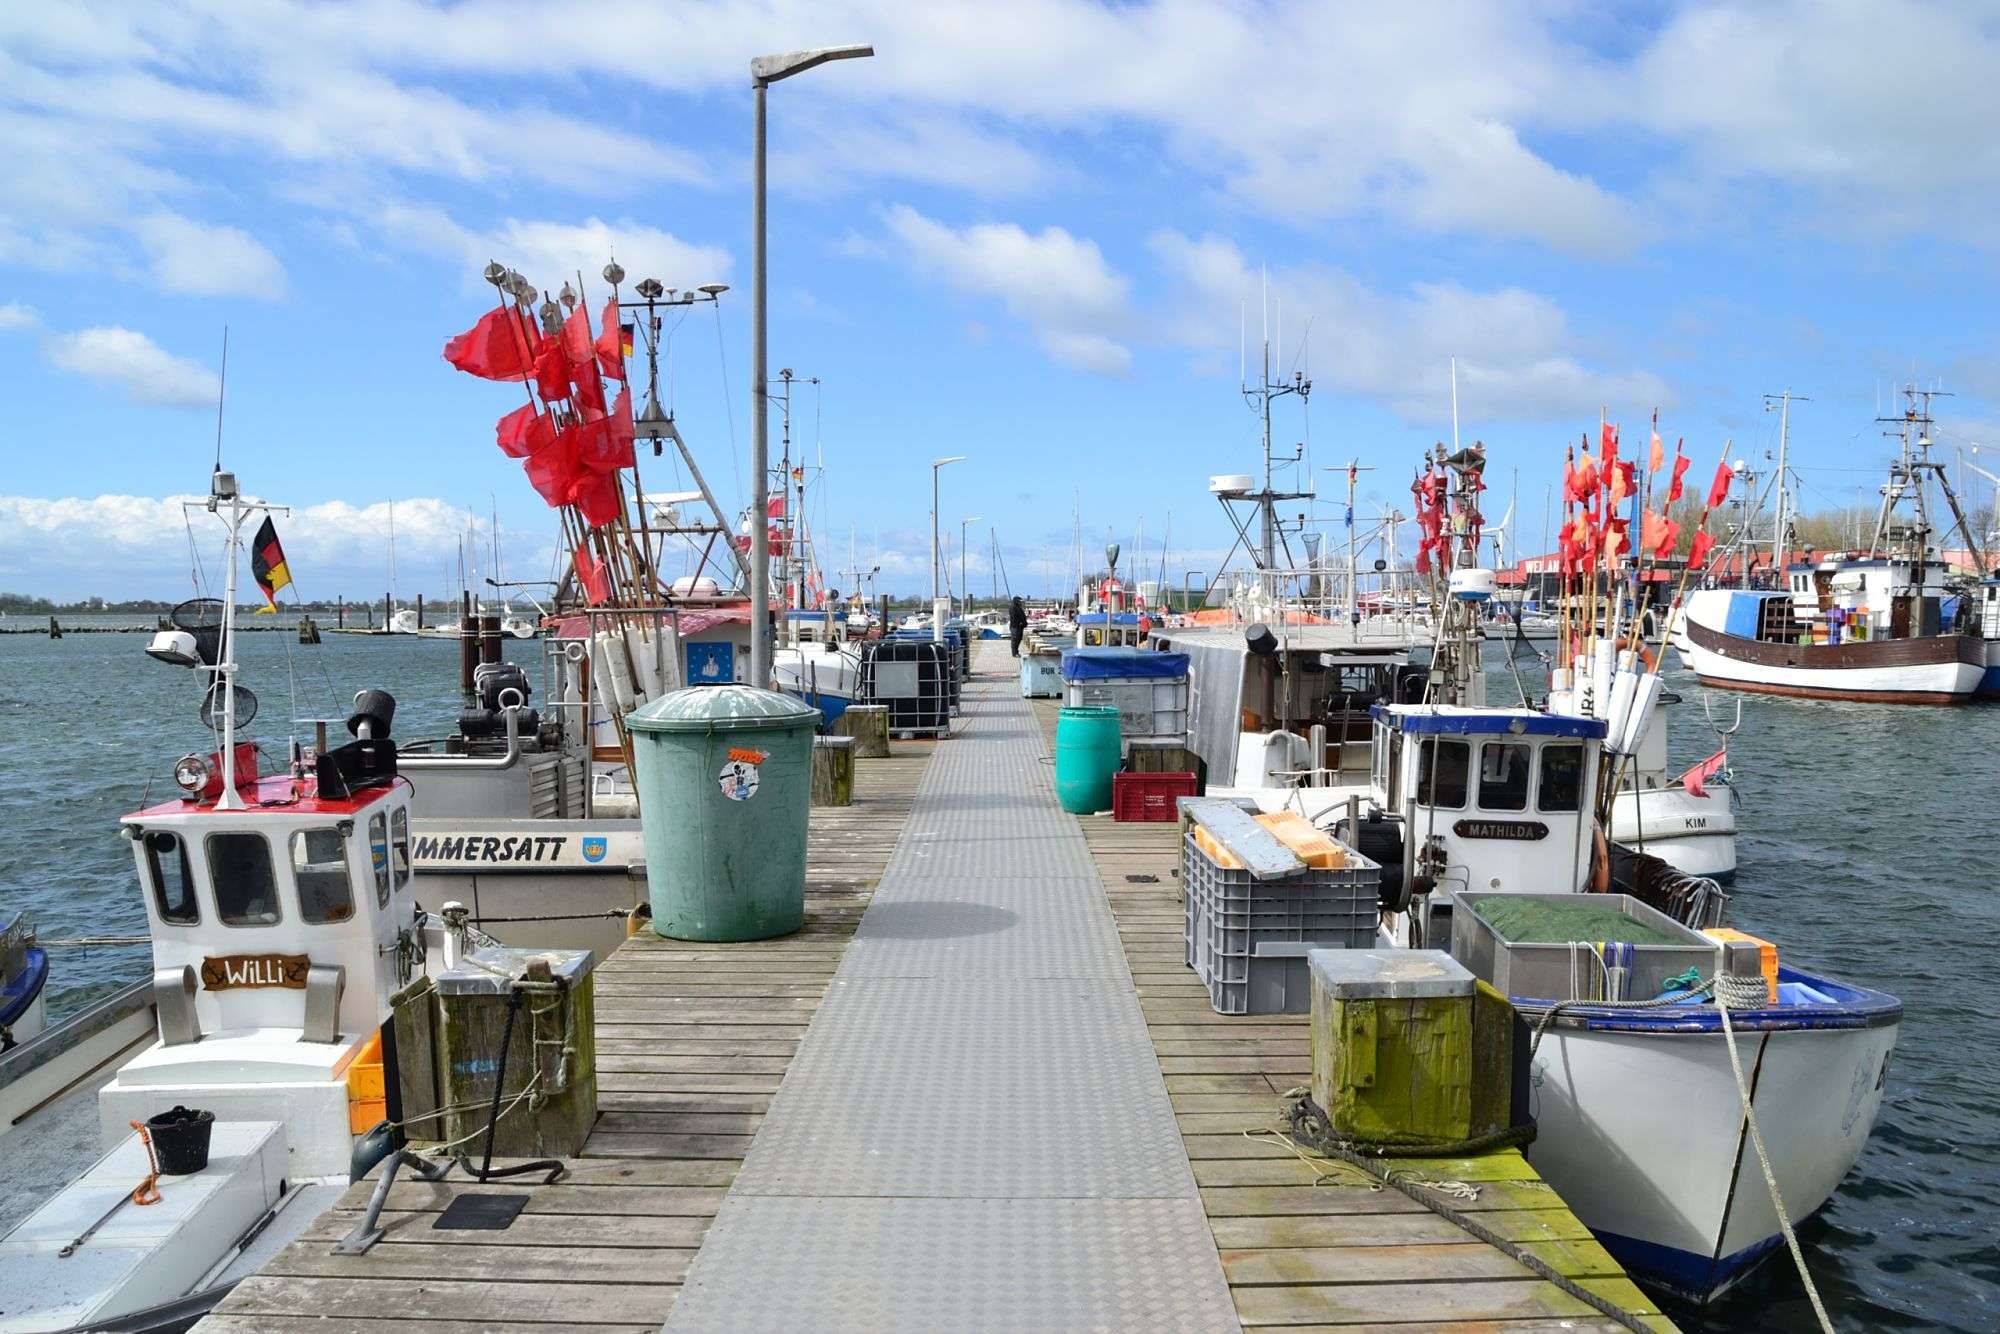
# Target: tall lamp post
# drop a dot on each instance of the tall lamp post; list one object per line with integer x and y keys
{"x": 765, "y": 71}
{"x": 964, "y": 589}
{"x": 937, "y": 552}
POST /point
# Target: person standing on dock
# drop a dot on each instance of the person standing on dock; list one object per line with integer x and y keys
{"x": 1017, "y": 624}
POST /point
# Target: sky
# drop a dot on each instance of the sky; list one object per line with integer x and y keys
{"x": 1037, "y": 234}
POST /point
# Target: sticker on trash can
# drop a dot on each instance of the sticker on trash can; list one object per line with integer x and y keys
{"x": 739, "y": 778}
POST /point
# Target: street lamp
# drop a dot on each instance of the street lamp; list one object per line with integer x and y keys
{"x": 937, "y": 595}
{"x": 964, "y": 589}
{"x": 764, "y": 71}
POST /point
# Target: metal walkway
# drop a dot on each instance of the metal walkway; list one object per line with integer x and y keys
{"x": 975, "y": 1134}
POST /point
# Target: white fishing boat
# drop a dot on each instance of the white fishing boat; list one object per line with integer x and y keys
{"x": 165, "y": 1142}
{"x": 24, "y": 975}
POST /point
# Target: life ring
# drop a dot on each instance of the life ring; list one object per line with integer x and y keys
{"x": 1631, "y": 644}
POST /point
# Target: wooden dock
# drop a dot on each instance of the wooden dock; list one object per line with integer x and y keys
{"x": 1308, "y": 1242}
{"x": 692, "y": 1041}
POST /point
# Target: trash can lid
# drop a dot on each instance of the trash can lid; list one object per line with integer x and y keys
{"x": 720, "y": 709}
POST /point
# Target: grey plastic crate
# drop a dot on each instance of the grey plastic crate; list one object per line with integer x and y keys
{"x": 1540, "y": 970}
{"x": 1274, "y": 980}
{"x": 1238, "y": 937}
{"x": 1357, "y": 883}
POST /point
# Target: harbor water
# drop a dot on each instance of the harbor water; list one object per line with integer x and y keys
{"x": 1862, "y": 853}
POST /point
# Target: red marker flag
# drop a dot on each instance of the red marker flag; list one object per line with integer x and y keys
{"x": 1659, "y": 535}
{"x": 576, "y": 339}
{"x": 1657, "y": 455}
{"x": 502, "y": 346}
{"x": 1609, "y": 447}
{"x": 611, "y": 342}
{"x": 524, "y": 431}
{"x": 552, "y": 371}
{"x": 1681, "y": 462}
{"x": 591, "y": 576}
{"x": 1718, "y": 490}
{"x": 596, "y": 497}
{"x": 1698, "y": 553}
{"x": 1699, "y": 774}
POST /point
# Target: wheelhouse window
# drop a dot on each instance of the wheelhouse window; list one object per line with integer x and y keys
{"x": 170, "y": 879}
{"x": 246, "y": 884}
{"x": 1561, "y": 786}
{"x": 399, "y": 845}
{"x": 378, "y": 856}
{"x": 1503, "y": 775}
{"x": 1443, "y": 768}
{"x": 319, "y": 869}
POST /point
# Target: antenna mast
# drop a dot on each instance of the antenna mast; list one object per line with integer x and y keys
{"x": 1260, "y": 397}
{"x": 1782, "y": 516}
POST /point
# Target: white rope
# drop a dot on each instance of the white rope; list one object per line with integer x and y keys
{"x": 1725, "y": 984}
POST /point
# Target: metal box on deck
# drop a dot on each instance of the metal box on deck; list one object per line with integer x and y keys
{"x": 912, "y": 678}
{"x": 552, "y": 1046}
{"x": 1041, "y": 676}
{"x": 1542, "y": 970}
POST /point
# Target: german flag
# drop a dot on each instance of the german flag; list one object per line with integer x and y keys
{"x": 625, "y": 339}
{"x": 267, "y": 562}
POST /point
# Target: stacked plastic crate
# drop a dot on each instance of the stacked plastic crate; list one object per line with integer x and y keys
{"x": 1247, "y": 938}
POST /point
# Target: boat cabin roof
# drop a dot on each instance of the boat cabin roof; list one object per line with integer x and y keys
{"x": 1456, "y": 720}
{"x": 272, "y": 794}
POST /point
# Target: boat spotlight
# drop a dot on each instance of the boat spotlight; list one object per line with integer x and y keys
{"x": 176, "y": 647}
{"x": 192, "y": 774}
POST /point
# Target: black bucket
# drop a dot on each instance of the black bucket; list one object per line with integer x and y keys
{"x": 180, "y": 1140}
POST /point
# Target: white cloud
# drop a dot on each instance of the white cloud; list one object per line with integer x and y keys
{"x": 548, "y": 253}
{"x": 1056, "y": 283}
{"x": 1517, "y": 358}
{"x": 123, "y": 545}
{"x": 202, "y": 260}
{"x": 14, "y": 315}
{"x": 136, "y": 364}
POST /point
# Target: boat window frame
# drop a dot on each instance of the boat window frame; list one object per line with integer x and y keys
{"x": 377, "y": 834}
{"x": 1427, "y": 772}
{"x": 399, "y": 849}
{"x": 1541, "y": 772}
{"x": 1527, "y": 772}
{"x": 215, "y": 882}
{"x": 346, "y": 876}
{"x": 156, "y": 884}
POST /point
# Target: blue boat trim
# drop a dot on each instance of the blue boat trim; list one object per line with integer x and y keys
{"x": 1422, "y": 720}
{"x": 1692, "y": 1277}
{"x": 1853, "y": 1007}
{"x": 21, "y": 989}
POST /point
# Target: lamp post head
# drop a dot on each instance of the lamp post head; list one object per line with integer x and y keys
{"x": 955, "y": 458}
{"x": 770, "y": 69}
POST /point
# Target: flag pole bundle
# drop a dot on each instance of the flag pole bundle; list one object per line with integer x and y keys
{"x": 1610, "y": 551}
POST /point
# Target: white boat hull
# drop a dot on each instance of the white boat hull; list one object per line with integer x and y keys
{"x": 1643, "y": 1135}
{"x": 1693, "y": 834}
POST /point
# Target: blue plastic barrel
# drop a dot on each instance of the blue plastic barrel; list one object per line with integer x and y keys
{"x": 1087, "y": 755}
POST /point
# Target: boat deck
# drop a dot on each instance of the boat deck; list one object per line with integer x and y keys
{"x": 996, "y": 1100}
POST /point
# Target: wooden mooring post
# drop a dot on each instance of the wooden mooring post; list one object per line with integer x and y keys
{"x": 868, "y": 725}
{"x": 833, "y": 771}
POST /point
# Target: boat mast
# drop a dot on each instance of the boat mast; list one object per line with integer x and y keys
{"x": 1781, "y": 518}
{"x": 1909, "y": 476}
{"x": 1268, "y": 389}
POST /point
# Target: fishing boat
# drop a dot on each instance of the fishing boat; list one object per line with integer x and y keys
{"x": 24, "y": 975}
{"x": 1868, "y": 627}
{"x": 163, "y": 1143}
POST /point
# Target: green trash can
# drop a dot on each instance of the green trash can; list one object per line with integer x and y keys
{"x": 725, "y": 786}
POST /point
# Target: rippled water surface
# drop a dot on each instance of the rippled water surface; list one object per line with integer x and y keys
{"x": 1867, "y": 850}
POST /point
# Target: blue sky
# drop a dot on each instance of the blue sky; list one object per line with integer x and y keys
{"x": 1022, "y": 233}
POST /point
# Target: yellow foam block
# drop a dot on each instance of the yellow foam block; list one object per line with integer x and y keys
{"x": 1308, "y": 843}
{"x": 1767, "y": 955}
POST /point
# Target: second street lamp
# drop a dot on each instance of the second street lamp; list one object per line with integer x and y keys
{"x": 964, "y": 589}
{"x": 937, "y": 552}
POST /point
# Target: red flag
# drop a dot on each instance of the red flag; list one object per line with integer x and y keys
{"x": 502, "y": 346}
{"x": 590, "y": 389}
{"x": 1681, "y": 462}
{"x": 576, "y": 339}
{"x": 590, "y": 574}
{"x": 1698, "y": 553}
{"x": 552, "y": 371}
{"x": 611, "y": 342}
{"x": 1585, "y": 476}
{"x": 1658, "y": 534}
{"x": 1658, "y": 453}
{"x": 1618, "y": 479}
{"x": 552, "y": 473}
{"x": 619, "y": 427}
{"x": 1698, "y": 774}
{"x": 774, "y": 506}
{"x": 1609, "y": 446}
{"x": 596, "y": 497}
{"x": 1718, "y": 490}
{"x": 524, "y": 431}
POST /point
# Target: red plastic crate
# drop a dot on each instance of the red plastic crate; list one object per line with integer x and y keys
{"x": 1145, "y": 798}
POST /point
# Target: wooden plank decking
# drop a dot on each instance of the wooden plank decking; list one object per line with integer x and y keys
{"x": 692, "y": 1041}
{"x": 1308, "y": 1243}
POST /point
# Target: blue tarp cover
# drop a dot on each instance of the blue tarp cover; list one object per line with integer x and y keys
{"x": 1110, "y": 664}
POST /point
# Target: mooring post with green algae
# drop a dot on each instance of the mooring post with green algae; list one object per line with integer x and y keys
{"x": 1392, "y": 1046}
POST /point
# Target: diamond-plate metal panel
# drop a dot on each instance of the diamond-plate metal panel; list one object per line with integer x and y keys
{"x": 985, "y": 1265}
{"x": 975, "y": 1133}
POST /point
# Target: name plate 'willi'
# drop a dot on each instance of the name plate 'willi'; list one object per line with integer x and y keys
{"x": 224, "y": 972}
